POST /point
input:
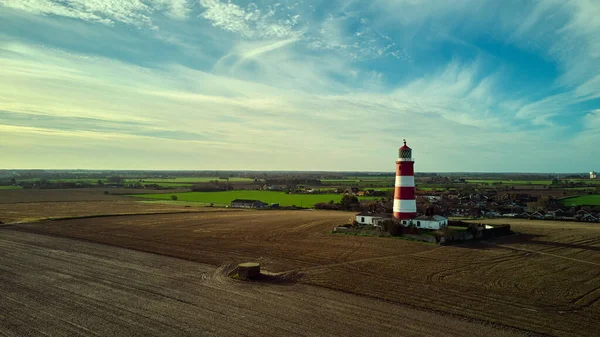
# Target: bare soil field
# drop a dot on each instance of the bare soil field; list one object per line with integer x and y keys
{"x": 52, "y": 286}
{"x": 35, "y": 211}
{"x": 544, "y": 281}
{"x": 72, "y": 194}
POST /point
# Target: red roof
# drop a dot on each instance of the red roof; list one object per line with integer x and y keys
{"x": 404, "y": 147}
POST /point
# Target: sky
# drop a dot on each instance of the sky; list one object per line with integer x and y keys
{"x": 473, "y": 86}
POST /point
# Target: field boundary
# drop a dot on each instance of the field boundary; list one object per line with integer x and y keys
{"x": 104, "y": 216}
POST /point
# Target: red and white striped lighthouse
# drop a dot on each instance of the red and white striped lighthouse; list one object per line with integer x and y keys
{"x": 405, "y": 203}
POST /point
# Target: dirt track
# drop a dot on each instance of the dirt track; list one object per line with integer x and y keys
{"x": 508, "y": 283}
{"x": 62, "y": 287}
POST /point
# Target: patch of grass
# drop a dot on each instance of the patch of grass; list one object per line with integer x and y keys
{"x": 458, "y": 228}
{"x": 582, "y": 200}
{"x": 10, "y": 187}
{"x": 192, "y": 180}
{"x": 511, "y": 182}
{"x": 225, "y": 198}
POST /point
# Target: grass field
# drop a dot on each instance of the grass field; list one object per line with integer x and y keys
{"x": 225, "y": 198}
{"x": 511, "y": 182}
{"x": 583, "y": 200}
{"x": 195, "y": 180}
{"x": 10, "y": 187}
{"x": 172, "y": 182}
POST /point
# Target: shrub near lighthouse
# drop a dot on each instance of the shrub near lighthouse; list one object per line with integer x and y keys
{"x": 405, "y": 204}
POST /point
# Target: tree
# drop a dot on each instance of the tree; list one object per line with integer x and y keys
{"x": 348, "y": 201}
{"x": 115, "y": 180}
{"x": 174, "y": 197}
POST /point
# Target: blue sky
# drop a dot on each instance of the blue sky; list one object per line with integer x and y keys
{"x": 300, "y": 85}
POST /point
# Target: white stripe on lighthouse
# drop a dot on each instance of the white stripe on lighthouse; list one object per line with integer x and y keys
{"x": 405, "y": 181}
{"x": 405, "y": 206}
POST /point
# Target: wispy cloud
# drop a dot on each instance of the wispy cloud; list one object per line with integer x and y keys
{"x": 133, "y": 12}
{"x": 302, "y": 85}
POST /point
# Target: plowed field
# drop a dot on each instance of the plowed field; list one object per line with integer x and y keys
{"x": 35, "y": 211}
{"x": 52, "y": 286}
{"x": 546, "y": 280}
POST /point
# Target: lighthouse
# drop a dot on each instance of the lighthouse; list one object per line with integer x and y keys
{"x": 405, "y": 204}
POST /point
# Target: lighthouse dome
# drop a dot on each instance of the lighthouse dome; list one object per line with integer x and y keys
{"x": 405, "y": 151}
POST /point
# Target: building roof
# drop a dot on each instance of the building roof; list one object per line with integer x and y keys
{"x": 431, "y": 218}
{"x": 404, "y": 147}
{"x": 377, "y": 215}
{"x": 245, "y": 201}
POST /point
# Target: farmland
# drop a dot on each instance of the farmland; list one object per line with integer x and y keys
{"x": 225, "y": 198}
{"x": 545, "y": 280}
{"x": 54, "y": 286}
{"x": 510, "y": 182}
{"x": 9, "y": 187}
{"x": 583, "y": 200}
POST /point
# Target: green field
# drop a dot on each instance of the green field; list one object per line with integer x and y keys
{"x": 170, "y": 182}
{"x": 511, "y": 182}
{"x": 149, "y": 180}
{"x": 193, "y": 180}
{"x": 225, "y": 198}
{"x": 10, "y": 187}
{"x": 583, "y": 200}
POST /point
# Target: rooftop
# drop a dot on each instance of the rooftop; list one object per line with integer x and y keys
{"x": 379, "y": 215}
{"x": 246, "y": 201}
{"x": 431, "y": 218}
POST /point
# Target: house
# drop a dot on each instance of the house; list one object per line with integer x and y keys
{"x": 537, "y": 215}
{"x": 524, "y": 215}
{"x": 589, "y": 218}
{"x": 433, "y": 198}
{"x": 492, "y": 214}
{"x": 428, "y": 222}
{"x": 242, "y": 203}
{"x": 373, "y": 219}
{"x": 554, "y": 214}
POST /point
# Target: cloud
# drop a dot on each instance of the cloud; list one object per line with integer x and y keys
{"x": 132, "y": 12}
{"x": 331, "y": 85}
{"x": 251, "y": 22}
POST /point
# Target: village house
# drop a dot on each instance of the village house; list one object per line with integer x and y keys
{"x": 243, "y": 203}
{"x": 373, "y": 219}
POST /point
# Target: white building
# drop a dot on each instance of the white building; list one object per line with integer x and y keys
{"x": 427, "y": 222}
{"x": 423, "y": 222}
{"x": 593, "y": 175}
{"x": 371, "y": 218}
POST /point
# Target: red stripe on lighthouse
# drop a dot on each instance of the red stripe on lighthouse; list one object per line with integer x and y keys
{"x": 405, "y": 168}
{"x": 404, "y": 193}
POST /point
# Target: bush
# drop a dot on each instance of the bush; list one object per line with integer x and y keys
{"x": 392, "y": 227}
{"x": 173, "y": 197}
